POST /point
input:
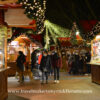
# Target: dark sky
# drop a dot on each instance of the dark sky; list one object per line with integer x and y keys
{"x": 65, "y": 12}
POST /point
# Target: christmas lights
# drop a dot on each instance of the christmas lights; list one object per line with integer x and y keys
{"x": 35, "y": 9}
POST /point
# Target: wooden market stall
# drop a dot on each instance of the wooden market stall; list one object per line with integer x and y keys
{"x": 10, "y": 20}
{"x": 67, "y": 48}
{"x": 21, "y": 43}
{"x": 3, "y": 63}
{"x": 95, "y": 60}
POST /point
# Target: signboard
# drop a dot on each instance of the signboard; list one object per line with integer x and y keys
{"x": 9, "y": 33}
{"x": 96, "y": 48}
{"x": 7, "y": 1}
{"x": 17, "y": 17}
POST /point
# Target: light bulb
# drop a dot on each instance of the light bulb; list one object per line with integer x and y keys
{"x": 29, "y": 12}
{"x": 28, "y": 4}
{"x": 32, "y": 8}
{"x": 21, "y": 3}
{"x": 25, "y": 7}
{"x": 24, "y": 2}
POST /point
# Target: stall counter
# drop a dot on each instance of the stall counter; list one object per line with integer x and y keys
{"x": 3, "y": 83}
{"x": 95, "y": 72}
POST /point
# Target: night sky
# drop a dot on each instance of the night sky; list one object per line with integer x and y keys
{"x": 65, "y": 12}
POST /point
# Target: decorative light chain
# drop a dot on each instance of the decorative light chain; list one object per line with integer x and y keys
{"x": 35, "y": 9}
{"x": 90, "y": 35}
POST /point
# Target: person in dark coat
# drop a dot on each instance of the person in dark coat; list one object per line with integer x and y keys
{"x": 34, "y": 59}
{"x": 72, "y": 65}
{"x": 88, "y": 66}
{"x": 20, "y": 64}
{"x": 77, "y": 64}
{"x": 45, "y": 66}
{"x": 81, "y": 64}
{"x": 50, "y": 62}
{"x": 57, "y": 64}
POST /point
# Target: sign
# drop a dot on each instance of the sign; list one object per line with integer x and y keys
{"x": 16, "y": 17}
{"x": 9, "y": 33}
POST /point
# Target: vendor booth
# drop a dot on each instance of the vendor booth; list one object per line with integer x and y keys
{"x": 3, "y": 63}
{"x": 21, "y": 43}
{"x": 95, "y": 60}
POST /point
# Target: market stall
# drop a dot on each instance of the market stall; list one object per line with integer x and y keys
{"x": 95, "y": 60}
{"x": 3, "y": 63}
{"x": 21, "y": 43}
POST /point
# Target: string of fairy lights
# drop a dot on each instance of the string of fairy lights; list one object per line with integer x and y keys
{"x": 96, "y": 30}
{"x": 35, "y": 9}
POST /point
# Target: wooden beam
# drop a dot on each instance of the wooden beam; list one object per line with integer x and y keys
{"x": 7, "y": 2}
{"x": 23, "y": 26}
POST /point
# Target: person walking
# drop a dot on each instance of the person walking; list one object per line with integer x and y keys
{"x": 57, "y": 64}
{"x": 33, "y": 59}
{"x": 20, "y": 64}
{"x": 45, "y": 66}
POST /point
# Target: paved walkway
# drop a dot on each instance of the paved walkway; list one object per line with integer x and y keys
{"x": 69, "y": 88}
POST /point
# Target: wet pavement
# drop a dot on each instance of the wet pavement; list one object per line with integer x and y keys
{"x": 70, "y": 88}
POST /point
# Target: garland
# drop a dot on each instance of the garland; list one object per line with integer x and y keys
{"x": 54, "y": 31}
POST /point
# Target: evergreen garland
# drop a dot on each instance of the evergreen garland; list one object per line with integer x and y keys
{"x": 55, "y": 31}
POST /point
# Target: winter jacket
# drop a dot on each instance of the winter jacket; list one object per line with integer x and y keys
{"x": 56, "y": 60}
{"x": 39, "y": 59}
{"x": 20, "y": 61}
{"x": 33, "y": 58}
{"x": 45, "y": 64}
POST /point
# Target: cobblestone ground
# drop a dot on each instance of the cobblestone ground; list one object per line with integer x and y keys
{"x": 69, "y": 88}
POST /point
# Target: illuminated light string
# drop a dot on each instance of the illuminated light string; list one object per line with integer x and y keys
{"x": 91, "y": 35}
{"x": 35, "y": 9}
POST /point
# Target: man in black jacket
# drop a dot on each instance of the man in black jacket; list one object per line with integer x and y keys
{"x": 45, "y": 66}
{"x": 20, "y": 64}
{"x": 33, "y": 59}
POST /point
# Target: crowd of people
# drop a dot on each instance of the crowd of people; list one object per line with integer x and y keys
{"x": 46, "y": 62}
{"x": 78, "y": 63}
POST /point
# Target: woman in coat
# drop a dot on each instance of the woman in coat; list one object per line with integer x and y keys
{"x": 45, "y": 66}
{"x": 57, "y": 64}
